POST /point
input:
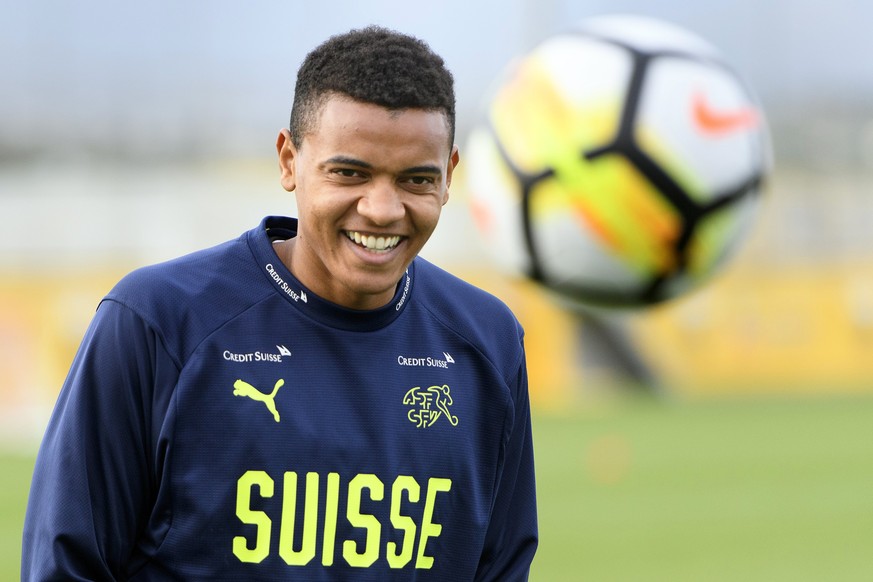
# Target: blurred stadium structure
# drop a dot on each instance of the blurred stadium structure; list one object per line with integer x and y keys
{"x": 131, "y": 135}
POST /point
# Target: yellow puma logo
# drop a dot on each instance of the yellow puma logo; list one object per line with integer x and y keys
{"x": 241, "y": 388}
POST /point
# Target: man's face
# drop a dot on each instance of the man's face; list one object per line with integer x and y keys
{"x": 370, "y": 185}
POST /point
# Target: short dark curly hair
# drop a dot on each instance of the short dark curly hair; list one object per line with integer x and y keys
{"x": 373, "y": 65}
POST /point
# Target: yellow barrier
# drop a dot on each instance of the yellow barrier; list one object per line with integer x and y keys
{"x": 754, "y": 330}
{"x": 801, "y": 328}
{"x": 798, "y": 329}
{"x": 42, "y": 321}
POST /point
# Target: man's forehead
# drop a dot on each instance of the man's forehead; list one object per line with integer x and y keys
{"x": 345, "y": 103}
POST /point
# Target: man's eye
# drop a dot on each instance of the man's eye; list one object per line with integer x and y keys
{"x": 347, "y": 173}
{"x": 421, "y": 180}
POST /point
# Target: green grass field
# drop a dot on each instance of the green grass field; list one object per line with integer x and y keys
{"x": 14, "y": 484}
{"x": 639, "y": 490}
{"x": 742, "y": 491}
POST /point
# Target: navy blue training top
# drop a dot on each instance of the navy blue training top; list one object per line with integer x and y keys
{"x": 222, "y": 422}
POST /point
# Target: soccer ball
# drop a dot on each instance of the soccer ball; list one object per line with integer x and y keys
{"x": 619, "y": 163}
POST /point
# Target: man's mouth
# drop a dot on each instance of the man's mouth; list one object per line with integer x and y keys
{"x": 377, "y": 244}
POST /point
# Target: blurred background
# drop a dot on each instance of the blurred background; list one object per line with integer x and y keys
{"x": 132, "y": 133}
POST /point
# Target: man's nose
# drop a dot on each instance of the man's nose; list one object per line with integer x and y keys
{"x": 382, "y": 203}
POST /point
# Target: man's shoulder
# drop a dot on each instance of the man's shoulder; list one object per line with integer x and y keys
{"x": 438, "y": 279}
{"x": 461, "y": 305}
{"x": 194, "y": 293}
{"x": 183, "y": 277}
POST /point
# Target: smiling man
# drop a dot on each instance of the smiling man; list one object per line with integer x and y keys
{"x": 311, "y": 400}
{"x": 370, "y": 184}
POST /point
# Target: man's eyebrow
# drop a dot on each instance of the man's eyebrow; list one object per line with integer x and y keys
{"x": 428, "y": 169}
{"x": 347, "y": 161}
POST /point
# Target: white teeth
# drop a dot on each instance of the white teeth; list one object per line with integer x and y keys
{"x": 373, "y": 243}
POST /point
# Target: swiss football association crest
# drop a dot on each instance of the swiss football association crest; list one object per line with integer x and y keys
{"x": 427, "y": 405}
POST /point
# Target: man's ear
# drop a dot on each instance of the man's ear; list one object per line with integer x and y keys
{"x": 287, "y": 154}
{"x": 454, "y": 158}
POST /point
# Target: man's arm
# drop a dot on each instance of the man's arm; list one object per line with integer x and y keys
{"x": 96, "y": 471}
{"x": 512, "y": 535}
